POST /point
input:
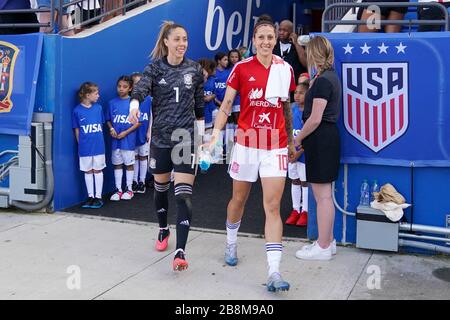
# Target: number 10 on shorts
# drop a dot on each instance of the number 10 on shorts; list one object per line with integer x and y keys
{"x": 282, "y": 161}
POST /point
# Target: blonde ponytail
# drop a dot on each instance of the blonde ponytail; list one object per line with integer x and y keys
{"x": 160, "y": 49}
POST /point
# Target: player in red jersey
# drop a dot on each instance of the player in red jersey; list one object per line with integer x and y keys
{"x": 263, "y": 139}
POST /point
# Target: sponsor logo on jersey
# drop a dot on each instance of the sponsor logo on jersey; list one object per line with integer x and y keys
{"x": 251, "y": 79}
{"x": 92, "y": 128}
{"x": 121, "y": 118}
{"x": 8, "y": 55}
{"x": 144, "y": 116}
{"x": 375, "y": 102}
{"x": 188, "y": 80}
{"x": 264, "y": 117}
{"x": 255, "y": 94}
{"x": 162, "y": 81}
{"x": 264, "y": 104}
{"x": 220, "y": 85}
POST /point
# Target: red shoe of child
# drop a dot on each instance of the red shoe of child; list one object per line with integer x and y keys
{"x": 293, "y": 217}
{"x": 303, "y": 220}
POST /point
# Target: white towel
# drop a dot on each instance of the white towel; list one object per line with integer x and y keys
{"x": 279, "y": 80}
{"x": 392, "y": 210}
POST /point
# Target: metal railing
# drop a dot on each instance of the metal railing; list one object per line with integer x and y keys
{"x": 55, "y": 25}
{"x": 326, "y": 22}
{"x": 339, "y": 12}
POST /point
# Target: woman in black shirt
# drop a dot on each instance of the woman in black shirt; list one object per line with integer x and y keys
{"x": 320, "y": 140}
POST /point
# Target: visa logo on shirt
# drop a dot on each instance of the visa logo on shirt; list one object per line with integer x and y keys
{"x": 92, "y": 128}
{"x": 220, "y": 85}
{"x": 144, "y": 116}
{"x": 121, "y": 119}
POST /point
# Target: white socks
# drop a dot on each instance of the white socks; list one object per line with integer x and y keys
{"x": 296, "y": 193}
{"x": 232, "y": 231}
{"x": 98, "y": 184}
{"x": 118, "y": 173}
{"x": 274, "y": 252}
{"x": 305, "y": 199}
{"x": 142, "y": 170}
{"x": 136, "y": 170}
{"x": 129, "y": 177}
{"x": 89, "y": 179}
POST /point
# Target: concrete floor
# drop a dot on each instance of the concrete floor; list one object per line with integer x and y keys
{"x": 67, "y": 256}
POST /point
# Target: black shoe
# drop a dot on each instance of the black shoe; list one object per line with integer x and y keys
{"x": 134, "y": 186}
{"x": 88, "y": 203}
{"x": 97, "y": 203}
{"x": 140, "y": 188}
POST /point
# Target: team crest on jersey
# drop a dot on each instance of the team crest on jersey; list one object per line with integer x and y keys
{"x": 375, "y": 100}
{"x": 8, "y": 56}
{"x": 188, "y": 80}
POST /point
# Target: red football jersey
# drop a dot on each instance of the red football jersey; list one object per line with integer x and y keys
{"x": 261, "y": 124}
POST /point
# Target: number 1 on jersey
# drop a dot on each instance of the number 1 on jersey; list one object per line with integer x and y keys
{"x": 177, "y": 94}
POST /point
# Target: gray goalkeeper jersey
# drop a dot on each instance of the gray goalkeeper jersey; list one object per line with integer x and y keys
{"x": 177, "y": 98}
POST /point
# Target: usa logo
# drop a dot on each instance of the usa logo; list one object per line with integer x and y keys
{"x": 8, "y": 56}
{"x": 375, "y": 99}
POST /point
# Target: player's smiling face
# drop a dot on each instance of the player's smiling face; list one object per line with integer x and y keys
{"x": 177, "y": 43}
{"x": 264, "y": 40}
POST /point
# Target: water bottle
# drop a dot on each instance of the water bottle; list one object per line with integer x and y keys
{"x": 364, "y": 200}
{"x": 375, "y": 188}
{"x": 204, "y": 160}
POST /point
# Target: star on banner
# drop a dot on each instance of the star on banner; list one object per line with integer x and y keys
{"x": 365, "y": 48}
{"x": 400, "y": 48}
{"x": 348, "y": 49}
{"x": 383, "y": 48}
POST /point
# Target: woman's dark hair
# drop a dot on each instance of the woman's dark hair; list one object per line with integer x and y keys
{"x": 126, "y": 79}
{"x": 264, "y": 20}
{"x": 230, "y": 65}
{"x": 219, "y": 56}
{"x": 85, "y": 89}
{"x": 207, "y": 64}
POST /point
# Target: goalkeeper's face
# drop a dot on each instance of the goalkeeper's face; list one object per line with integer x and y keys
{"x": 177, "y": 42}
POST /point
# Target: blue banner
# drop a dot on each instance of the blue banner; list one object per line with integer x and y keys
{"x": 19, "y": 67}
{"x": 395, "y": 98}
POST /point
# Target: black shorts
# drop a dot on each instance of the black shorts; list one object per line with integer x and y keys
{"x": 383, "y": 10}
{"x": 322, "y": 154}
{"x": 178, "y": 159}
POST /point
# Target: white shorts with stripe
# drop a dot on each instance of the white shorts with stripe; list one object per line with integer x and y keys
{"x": 297, "y": 170}
{"x": 125, "y": 157}
{"x": 247, "y": 163}
{"x": 92, "y": 163}
{"x": 143, "y": 150}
